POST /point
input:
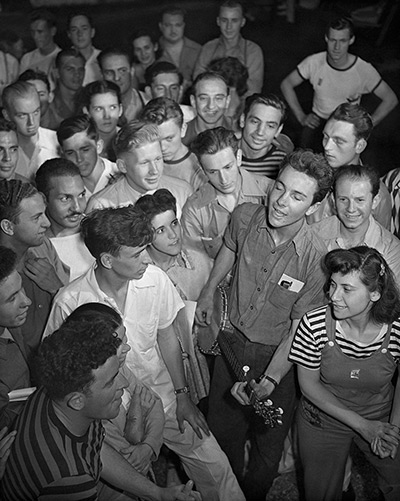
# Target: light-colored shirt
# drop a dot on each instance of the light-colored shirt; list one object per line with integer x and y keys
{"x": 9, "y": 67}
{"x": 92, "y": 68}
{"x": 73, "y": 252}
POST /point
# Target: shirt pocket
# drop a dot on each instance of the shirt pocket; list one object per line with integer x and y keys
{"x": 282, "y": 298}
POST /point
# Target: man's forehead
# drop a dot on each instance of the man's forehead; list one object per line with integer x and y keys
{"x": 211, "y": 85}
{"x": 172, "y": 18}
{"x": 31, "y": 204}
{"x": 78, "y": 139}
{"x": 339, "y": 127}
{"x": 265, "y": 112}
{"x": 349, "y": 183}
{"x": 115, "y": 61}
{"x": 66, "y": 184}
{"x": 339, "y": 34}
{"x": 72, "y": 61}
{"x": 8, "y": 137}
{"x": 26, "y": 103}
{"x": 166, "y": 79}
{"x": 232, "y": 12}
{"x": 79, "y": 20}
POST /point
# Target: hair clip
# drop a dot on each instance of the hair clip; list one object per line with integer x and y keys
{"x": 382, "y": 272}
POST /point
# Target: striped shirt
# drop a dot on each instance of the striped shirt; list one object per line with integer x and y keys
{"x": 392, "y": 182}
{"x": 311, "y": 338}
{"x": 48, "y": 462}
{"x": 268, "y": 165}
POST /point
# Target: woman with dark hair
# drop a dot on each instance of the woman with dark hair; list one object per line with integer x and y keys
{"x": 347, "y": 354}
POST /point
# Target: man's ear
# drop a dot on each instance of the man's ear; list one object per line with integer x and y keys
{"x": 180, "y": 95}
{"x": 361, "y": 144}
{"x": 352, "y": 40}
{"x": 239, "y": 157}
{"x": 6, "y": 115}
{"x": 106, "y": 260}
{"x": 85, "y": 110}
{"x": 279, "y": 130}
{"x": 99, "y": 146}
{"x": 121, "y": 165}
{"x": 75, "y": 400}
{"x": 183, "y": 129}
{"x": 7, "y": 227}
{"x": 243, "y": 22}
{"x": 193, "y": 102}
{"x": 228, "y": 100}
{"x": 376, "y": 200}
{"x": 242, "y": 120}
{"x": 313, "y": 208}
{"x": 218, "y": 21}
{"x": 121, "y": 110}
{"x": 148, "y": 93}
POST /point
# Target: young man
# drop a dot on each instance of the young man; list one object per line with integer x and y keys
{"x": 207, "y": 212}
{"x": 277, "y": 277}
{"x": 81, "y": 33}
{"x": 116, "y": 67}
{"x": 210, "y": 98}
{"x": 8, "y": 150}
{"x": 14, "y": 305}
{"x": 231, "y": 43}
{"x": 261, "y": 123}
{"x": 148, "y": 302}
{"x": 345, "y": 137}
{"x": 80, "y": 143}
{"x": 145, "y": 49}
{"x": 61, "y": 183}
{"x": 22, "y": 106}
{"x": 175, "y": 47}
{"x": 43, "y": 30}
{"x": 356, "y": 194}
{"x": 140, "y": 160}
{"x": 337, "y": 77}
{"x": 61, "y": 427}
{"x": 69, "y": 74}
{"x": 179, "y": 162}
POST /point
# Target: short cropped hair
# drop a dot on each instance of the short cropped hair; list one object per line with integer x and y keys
{"x": 7, "y": 126}
{"x": 356, "y": 115}
{"x": 374, "y": 273}
{"x": 17, "y": 90}
{"x": 268, "y": 100}
{"x": 359, "y": 172}
{"x": 99, "y": 87}
{"x": 67, "y": 358}
{"x": 106, "y": 230}
{"x": 77, "y": 13}
{"x": 232, "y": 4}
{"x": 113, "y": 51}
{"x": 73, "y": 125}
{"x": 152, "y": 205}
{"x": 55, "y": 167}
{"x": 71, "y": 52}
{"x": 8, "y": 262}
{"x": 43, "y": 15}
{"x": 160, "y": 110}
{"x": 341, "y": 23}
{"x": 212, "y": 141}
{"x": 173, "y": 10}
{"x": 207, "y": 75}
{"x": 159, "y": 67}
{"x": 30, "y": 74}
{"x": 12, "y": 192}
{"x": 234, "y": 72}
{"x": 134, "y": 135}
{"x": 313, "y": 165}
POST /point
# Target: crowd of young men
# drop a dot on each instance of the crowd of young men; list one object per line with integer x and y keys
{"x": 92, "y": 324}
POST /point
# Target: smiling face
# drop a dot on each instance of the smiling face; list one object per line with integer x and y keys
{"x": 354, "y": 202}
{"x": 222, "y": 170}
{"x": 144, "y": 50}
{"x": 80, "y": 32}
{"x": 66, "y": 204}
{"x": 8, "y": 154}
{"x": 350, "y": 298}
{"x": 25, "y": 113}
{"x": 116, "y": 68}
{"x": 261, "y": 125}
{"x": 83, "y": 151}
{"x": 32, "y": 222}
{"x": 105, "y": 111}
{"x": 172, "y": 27}
{"x": 291, "y": 198}
{"x": 14, "y": 303}
{"x": 341, "y": 147}
{"x": 143, "y": 166}
{"x": 167, "y": 234}
{"x": 210, "y": 101}
{"x": 337, "y": 44}
{"x": 230, "y": 22}
{"x": 130, "y": 263}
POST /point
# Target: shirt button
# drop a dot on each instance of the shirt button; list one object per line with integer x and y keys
{"x": 273, "y": 252}
{"x": 251, "y": 307}
{"x": 40, "y": 306}
{"x": 241, "y": 324}
{"x": 331, "y": 343}
{"x": 265, "y": 270}
{"x": 384, "y": 350}
{"x": 258, "y": 289}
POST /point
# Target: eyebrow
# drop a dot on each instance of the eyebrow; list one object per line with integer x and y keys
{"x": 294, "y": 191}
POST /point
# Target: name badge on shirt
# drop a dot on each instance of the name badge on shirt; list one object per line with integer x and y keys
{"x": 291, "y": 284}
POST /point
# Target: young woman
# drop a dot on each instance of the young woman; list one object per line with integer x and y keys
{"x": 347, "y": 353}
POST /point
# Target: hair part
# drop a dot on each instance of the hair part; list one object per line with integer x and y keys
{"x": 12, "y": 192}
{"x": 99, "y": 87}
{"x": 134, "y": 135}
{"x": 355, "y": 115}
{"x": 73, "y": 125}
{"x": 212, "y": 141}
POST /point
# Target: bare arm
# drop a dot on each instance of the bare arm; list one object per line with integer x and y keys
{"x": 287, "y": 87}
{"x": 389, "y": 101}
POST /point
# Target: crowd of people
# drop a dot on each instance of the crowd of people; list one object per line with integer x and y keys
{"x": 171, "y": 262}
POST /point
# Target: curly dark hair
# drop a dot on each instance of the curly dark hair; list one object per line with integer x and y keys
{"x": 161, "y": 201}
{"x": 374, "y": 273}
{"x": 67, "y": 358}
{"x": 8, "y": 262}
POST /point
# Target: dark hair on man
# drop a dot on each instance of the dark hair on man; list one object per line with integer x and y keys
{"x": 374, "y": 273}
{"x": 99, "y": 87}
{"x": 135, "y": 134}
{"x": 159, "y": 67}
{"x": 88, "y": 310}
{"x": 160, "y": 110}
{"x": 113, "y": 51}
{"x": 17, "y": 90}
{"x": 359, "y": 173}
{"x": 341, "y": 23}
{"x": 73, "y": 125}
{"x": 313, "y": 165}
{"x": 173, "y": 10}
{"x": 7, "y": 126}
{"x": 67, "y": 358}
{"x": 268, "y": 100}
{"x": 144, "y": 32}
{"x": 106, "y": 230}
{"x": 212, "y": 141}
{"x": 71, "y": 52}
{"x": 208, "y": 75}
{"x": 356, "y": 115}
{"x": 55, "y": 167}
{"x": 12, "y": 193}
{"x": 231, "y": 4}
{"x": 76, "y": 13}
{"x": 30, "y": 74}
{"x": 43, "y": 15}
{"x": 161, "y": 201}
{"x": 234, "y": 72}
{"x": 8, "y": 262}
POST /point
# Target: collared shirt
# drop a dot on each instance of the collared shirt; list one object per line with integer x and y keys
{"x": 204, "y": 220}
{"x": 120, "y": 193}
{"x": 73, "y": 252}
{"x": 192, "y": 130}
{"x": 272, "y": 285}
{"x": 187, "y": 58}
{"x": 110, "y": 169}
{"x": 46, "y": 147}
{"x": 392, "y": 181}
{"x": 187, "y": 168}
{"x": 92, "y": 68}
{"x": 248, "y": 53}
{"x": 8, "y": 70}
{"x": 151, "y": 303}
{"x": 376, "y": 237}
